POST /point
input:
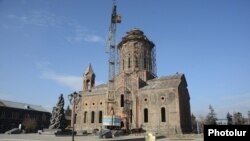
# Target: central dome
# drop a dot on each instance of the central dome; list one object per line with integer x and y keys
{"x": 134, "y": 35}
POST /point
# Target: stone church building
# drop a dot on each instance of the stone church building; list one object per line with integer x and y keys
{"x": 141, "y": 99}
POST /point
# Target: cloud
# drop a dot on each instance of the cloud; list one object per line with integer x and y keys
{"x": 93, "y": 38}
{"x": 80, "y": 38}
{"x": 43, "y": 64}
{"x": 80, "y": 34}
{"x": 5, "y": 96}
{"x": 37, "y": 18}
{"x": 5, "y": 26}
{"x": 73, "y": 82}
{"x": 237, "y": 96}
{"x": 75, "y": 31}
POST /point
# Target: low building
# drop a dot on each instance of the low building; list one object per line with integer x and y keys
{"x": 12, "y": 114}
{"x": 222, "y": 122}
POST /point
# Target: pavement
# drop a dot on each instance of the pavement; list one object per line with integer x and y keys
{"x": 37, "y": 137}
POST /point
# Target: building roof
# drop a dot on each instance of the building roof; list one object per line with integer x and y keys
{"x": 88, "y": 70}
{"x": 171, "y": 81}
{"x": 100, "y": 89}
{"x": 18, "y": 105}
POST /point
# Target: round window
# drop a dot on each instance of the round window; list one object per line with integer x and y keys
{"x": 162, "y": 98}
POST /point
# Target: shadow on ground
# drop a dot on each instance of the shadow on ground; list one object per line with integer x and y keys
{"x": 135, "y": 139}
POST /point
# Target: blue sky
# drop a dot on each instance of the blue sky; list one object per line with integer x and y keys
{"x": 45, "y": 46}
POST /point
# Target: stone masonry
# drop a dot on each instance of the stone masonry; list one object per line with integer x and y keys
{"x": 142, "y": 100}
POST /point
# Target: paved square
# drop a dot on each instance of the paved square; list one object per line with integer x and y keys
{"x": 37, "y": 137}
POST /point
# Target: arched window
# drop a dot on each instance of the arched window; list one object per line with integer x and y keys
{"x": 122, "y": 124}
{"x": 129, "y": 62}
{"x": 136, "y": 62}
{"x": 122, "y": 100}
{"x": 145, "y": 63}
{"x": 88, "y": 85}
{"x": 122, "y": 64}
{"x": 146, "y": 115}
{"x": 100, "y": 116}
{"x": 130, "y": 114}
{"x": 163, "y": 115}
{"x": 85, "y": 117}
{"x": 92, "y": 117}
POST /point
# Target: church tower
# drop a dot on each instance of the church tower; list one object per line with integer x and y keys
{"x": 88, "y": 79}
{"x": 137, "y": 55}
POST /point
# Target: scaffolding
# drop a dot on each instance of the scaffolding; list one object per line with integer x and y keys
{"x": 153, "y": 61}
{"x": 138, "y": 52}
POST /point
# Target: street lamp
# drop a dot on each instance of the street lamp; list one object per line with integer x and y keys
{"x": 73, "y": 99}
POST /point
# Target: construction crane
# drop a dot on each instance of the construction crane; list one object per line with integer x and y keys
{"x": 110, "y": 119}
{"x": 111, "y": 50}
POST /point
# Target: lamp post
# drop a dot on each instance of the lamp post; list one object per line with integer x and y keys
{"x": 73, "y": 99}
{"x": 198, "y": 128}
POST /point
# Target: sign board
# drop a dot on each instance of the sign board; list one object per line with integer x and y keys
{"x": 111, "y": 121}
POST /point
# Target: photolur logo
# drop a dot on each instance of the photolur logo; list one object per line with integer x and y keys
{"x": 226, "y": 132}
{"x": 214, "y": 132}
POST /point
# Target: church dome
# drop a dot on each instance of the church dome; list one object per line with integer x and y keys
{"x": 135, "y": 35}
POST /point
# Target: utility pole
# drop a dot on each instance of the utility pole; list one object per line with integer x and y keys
{"x": 198, "y": 129}
{"x": 74, "y": 98}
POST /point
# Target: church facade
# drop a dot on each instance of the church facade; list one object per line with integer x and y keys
{"x": 141, "y": 99}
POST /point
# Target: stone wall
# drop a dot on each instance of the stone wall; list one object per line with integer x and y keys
{"x": 155, "y": 101}
{"x": 90, "y": 104}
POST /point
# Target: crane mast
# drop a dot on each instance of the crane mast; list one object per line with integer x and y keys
{"x": 111, "y": 50}
{"x": 110, "y": 119}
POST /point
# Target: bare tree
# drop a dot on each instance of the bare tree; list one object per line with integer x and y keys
{"x": 200, "y": 124}
{"x": 238, "y": 119}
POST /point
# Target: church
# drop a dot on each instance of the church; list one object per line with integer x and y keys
{"x": 140, "y": 98}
